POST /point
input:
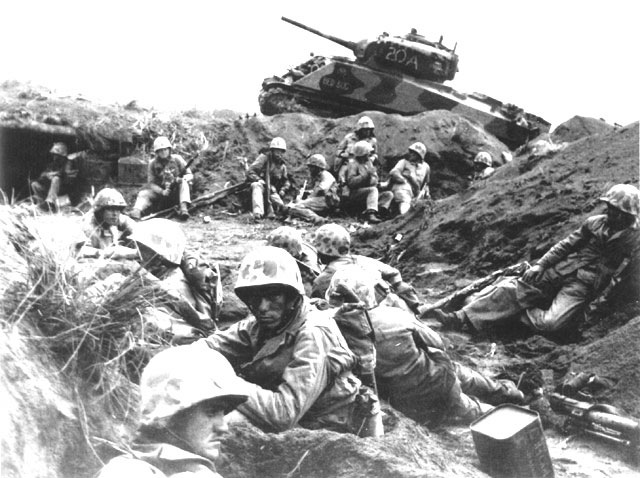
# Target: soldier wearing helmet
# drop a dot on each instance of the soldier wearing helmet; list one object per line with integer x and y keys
{"x": 59, "y": 177}
{"x": 272, "y": 161}
{"x": 194, "y": 285}
{"x": 290, "y": 239}
{"x": 412, "y": 368}
{"x": 182, "y": 415}
{"x": 574, "y": 272}
{"x": 364, "y": 131}
{"x": 322, "y": 193}
{"x": 409, "y": 180}
{"x": 107, "y": 229}
{"x": 297, "y": 361}
{"x": 333, "y": 244}
{"x": 360, "y": 177}
{"x": 168, "y": 182}
{"x": 482, "y": 166}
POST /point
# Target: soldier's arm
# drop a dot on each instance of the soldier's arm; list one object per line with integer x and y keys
{"x": 234, "y": 343}
{"x": 303, "y": 381}
{"x": 562, "y": 249}
{"x": 187, "y": 174}
{"x": 256, "y": 170}
{"x": 151, "y": 175}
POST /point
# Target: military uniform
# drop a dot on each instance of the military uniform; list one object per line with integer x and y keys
{"x": 576, "y": 270}
{"x": 59, "y": 177}
{"x": 320, "y": 201}
{"x": 345, "y": 150}
{"x": 302, "y": 375}
{"x": 158, "y": 460}
{"x": 279, "y": 178}
{"x": 362, "y": 180}
{"x": 402, "y": 191}
{"x": 162, "y": 175}
{"x": 100, "y": 236}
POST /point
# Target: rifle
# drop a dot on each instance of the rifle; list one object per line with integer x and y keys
{"x": 202, "y": 201}
{"x": 302, "y": 191}
{"x": 516, "y": 269}
{"x": 267, "y": 187}
{"x": 600, "y": 421}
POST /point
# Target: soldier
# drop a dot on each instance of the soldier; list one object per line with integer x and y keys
{"x": 194, "y": 285}
{"x": 554, "y": 292}
{"x": 323, "y": 196}
{"x": 290, "y": 239}
{"x": 59, "y": 177}
{"x": 409, "y": 180}
{"x": 168, "y": 182}
{"x": 333, "y": 244}
{"x": 107, "y": 228}
{"x": 482, "y": 166}
{"x": 361, "y": 180}
{"x": 412, "y": 369}
{"x": 364, "y": 131}
{"x": 298, "y": 362}
{"x": 273, "y": 161}
{"x": 183, "y": 407}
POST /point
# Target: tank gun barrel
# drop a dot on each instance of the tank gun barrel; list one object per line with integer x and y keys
{"x": 345, "y": 43}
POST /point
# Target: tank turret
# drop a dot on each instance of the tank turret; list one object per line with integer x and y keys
{"x": 393, "y": 74}
{"x": 411, "y": 54}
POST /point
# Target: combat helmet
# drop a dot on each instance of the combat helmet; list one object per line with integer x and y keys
{"x": 354, "y": 279}
{"x": 59, "y": 149}
{"x": 278, "y": 143}
{"x": 318, "y": 161}
{"x": 362, "y": 148}
{"x": 162, "y": 236}
{"x": 109, "y": 197}
{"x": 287, "y": 238}
{"x": 419, "y": 148}
{"x": 171, "y": 383}
{"x": 268, "y": 266}
{"x": 364, "y": 123}
{"x": 624, "y": 197}
{"x": 332, "y": 240}
{"x": 161, "y": 142}
{"x": 483, "y": 158}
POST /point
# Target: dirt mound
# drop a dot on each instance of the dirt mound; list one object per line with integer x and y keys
{"x": 405, "y": 451}
{"x": 580, "y": 127}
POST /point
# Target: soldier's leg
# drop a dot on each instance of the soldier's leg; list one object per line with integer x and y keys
{"x": 54, "y": 190}
{"x": 403, "y": 198}
{"x": 487, "y": 389}
{"x": 257, "y": 198}
{"x": 384, "y": 200}
{"x": 496, "y": 303}
{"x": 276, "y": 202}
{"x": 38, "y": 190}
{"x": 147, "y": 197}
{"x": 565, "y": 308}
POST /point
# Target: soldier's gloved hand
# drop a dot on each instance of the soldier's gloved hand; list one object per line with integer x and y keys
{"x": 534, "y": 274}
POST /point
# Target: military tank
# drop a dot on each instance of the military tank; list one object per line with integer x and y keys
{"x": 393, "y": 74}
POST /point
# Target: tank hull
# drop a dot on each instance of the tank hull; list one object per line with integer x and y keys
{"x": 343, "y": 87}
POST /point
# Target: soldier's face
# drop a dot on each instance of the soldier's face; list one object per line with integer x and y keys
{"x": 201, "y": 429}
{"x": 269, "y": 306}
{"x": 277, "y": 154}
{"x": 163, "y": 153}
{"x": 111, "y": 216}
{"x": 618, "y": 219}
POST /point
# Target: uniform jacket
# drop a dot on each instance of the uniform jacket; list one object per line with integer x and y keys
{"x": 421, "y": 172}
{"x": 593, "y": 250}
{"x": 382, "y": 271}
{"x": 360, "y": 175}
{"x": 277, "y": 172}
{"x": 158, "y": 460}
{"x": 101, "y": 236}
{"x": 63, "y": 167}
{"x": 412, "y": 369}
{"x": 321, "y": 184}
{"x": 163, "y": 174}
{"x": 300, "y": 376}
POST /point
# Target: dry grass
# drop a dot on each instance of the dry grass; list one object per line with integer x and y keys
{"x": 102, "y": 340}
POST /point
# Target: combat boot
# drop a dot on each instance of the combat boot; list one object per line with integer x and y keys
{"x": 371, "y": 217}
{"x": 449, "y": 320}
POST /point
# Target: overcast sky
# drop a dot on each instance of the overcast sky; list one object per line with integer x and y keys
{"x": 555, "y": 58}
